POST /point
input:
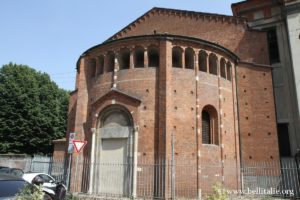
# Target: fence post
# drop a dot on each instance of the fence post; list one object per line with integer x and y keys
{"x": 31, "y": 162}
{"x": 242, "y": 178}
{"x": 50, "y": 165}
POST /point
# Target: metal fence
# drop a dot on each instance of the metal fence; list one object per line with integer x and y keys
{"x": 279, "y": 179}
{"x": 160, "y": 178}
{"x": 147, "y": 179}
{"x": 157, "y": 179}
{"x": 41, "y": 164}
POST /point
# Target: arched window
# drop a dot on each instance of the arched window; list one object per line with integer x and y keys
{"x": 153, "y": 56}
{"x": 213, "y": 65}
{"x": 100, "y": 65}
{"x": 223, "y": 68}
{"x": 92, "y": 67}
{"x": 210, "y": 125}
{"x": 206, "y": 137}
{"x": 110, "y": 61}
{"x": 189, "y": 57}
{"x": 177, "y": 57}
{"x": 139, "y": 57}
{"x": 124, "y": 59}
{"x": 203, "y": 61}
{"x": 228, "y": 68}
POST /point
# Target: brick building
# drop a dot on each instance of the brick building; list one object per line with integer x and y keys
{"x": 204, "y": 80}
{"x": 281, "y": 21}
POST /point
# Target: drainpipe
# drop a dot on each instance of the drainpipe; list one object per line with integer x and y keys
{"x": 92, "y": 163}
{"x": 197, "y": 127}
{"x": 135, "y": 159}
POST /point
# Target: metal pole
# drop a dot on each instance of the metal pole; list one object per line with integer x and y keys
{"x": 76, "y": 166}
{"x": 92, "y": 163}
{"x": 173, "y": 170}
{"x": 69, "y": 172}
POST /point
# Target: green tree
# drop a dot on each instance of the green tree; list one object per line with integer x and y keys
{"x": 33, "y": 110}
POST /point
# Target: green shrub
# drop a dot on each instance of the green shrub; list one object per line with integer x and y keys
{"x": 30, "y": 193}
{"x": 219, "y": 193}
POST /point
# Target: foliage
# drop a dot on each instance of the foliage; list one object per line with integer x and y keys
{"x": 29, "y": 193}
{"x": 218, "y": 193}
{"x": 33, "y": 110}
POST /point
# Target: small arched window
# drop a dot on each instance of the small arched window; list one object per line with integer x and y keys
{"x": 213, "y": 64}
{"x": 153, "y": 56}
{"x": 124, "y": 59}
{"x": 100, "y": 68}
{"x": 223, "y": 68}
{"x": 110, "y": 61}
{"x": 229, "y": 71}
{"x": 177, "y": 57}
{"x": 210, "y": 125}
{"x": 206, "y": 137}
{"x": 189, "y": 57}
{"x": 202, "y": 61}
{"x": 139, "y": 57}
{"x": 92, "y": 67}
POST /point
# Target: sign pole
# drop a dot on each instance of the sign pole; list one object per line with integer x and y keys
{"x": 78, "y": 145}
{"x": 75, "y": 179}
{"x": 70, "y": 152}
{"x": 69, "y": 172}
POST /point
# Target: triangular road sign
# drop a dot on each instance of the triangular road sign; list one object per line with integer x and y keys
{"x": 79, "y": 145}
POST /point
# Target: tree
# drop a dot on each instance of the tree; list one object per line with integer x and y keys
{"x": 33, "y": 110}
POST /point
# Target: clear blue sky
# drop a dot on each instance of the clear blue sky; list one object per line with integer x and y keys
{"x": 50, "y": 35}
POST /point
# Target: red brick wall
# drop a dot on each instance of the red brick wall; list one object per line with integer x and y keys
{"x": 59, "y": 152}
{"x": 230, "y": 32}
{"x": 257, "y": 114}
{"x": 72, "y": 111}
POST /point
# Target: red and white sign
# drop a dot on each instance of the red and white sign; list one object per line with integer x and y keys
{"x": 79, "y": 145}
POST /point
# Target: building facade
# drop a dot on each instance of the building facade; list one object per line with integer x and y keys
{"x": 280, "y": 19}
{"x": 197, "y": 90}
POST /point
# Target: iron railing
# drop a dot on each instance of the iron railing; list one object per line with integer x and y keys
{"x": 161, "y": 178}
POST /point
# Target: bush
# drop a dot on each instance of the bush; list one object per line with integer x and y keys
{"x": 219, "y": 193}
{"x": 31, "y": 193}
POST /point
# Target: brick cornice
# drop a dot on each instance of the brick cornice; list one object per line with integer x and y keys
{"x": 180, "y": 13}
{"x": 116, "y": 92}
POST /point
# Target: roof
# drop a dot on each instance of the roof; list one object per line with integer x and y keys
{"x": 177, "y": 37}
{"x": 252, "y": 5}
{"x": 233, "y": 19}
{"x": 181, "y": 12}
{"x": 161, "y": 36}
{"x": 237, "y": 3}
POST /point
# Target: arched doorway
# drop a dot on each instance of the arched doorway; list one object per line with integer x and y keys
{"x": 114, "y": 152}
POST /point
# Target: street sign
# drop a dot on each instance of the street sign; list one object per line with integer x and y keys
{"x": 71, "y": 145}
{"x": 72, "y": 137}
{"x": 79, "y": 145}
